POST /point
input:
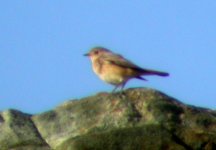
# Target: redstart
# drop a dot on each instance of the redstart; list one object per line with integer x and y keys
{"x": 115, "y": 69}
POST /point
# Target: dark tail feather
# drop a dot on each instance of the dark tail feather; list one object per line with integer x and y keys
{"x": 163, "y": 74}
{"x": 141, "y": 78}
{"x": 153, "y": 72}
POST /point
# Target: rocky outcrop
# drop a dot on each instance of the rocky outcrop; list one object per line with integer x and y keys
{"x": 133, "y": 119}
{"x": 18, "y": 132}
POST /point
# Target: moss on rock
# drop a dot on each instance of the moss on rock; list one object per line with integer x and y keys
{"x": 133, "y": 119}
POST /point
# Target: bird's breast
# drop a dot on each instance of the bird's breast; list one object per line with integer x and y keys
{"x": 111, "y": 73}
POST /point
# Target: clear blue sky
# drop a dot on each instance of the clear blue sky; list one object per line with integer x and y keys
{"x": 42, "y": 43}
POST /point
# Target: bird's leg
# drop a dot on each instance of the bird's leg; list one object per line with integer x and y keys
{"x": 123, "y": 85}
{"x": 115, "y": 88}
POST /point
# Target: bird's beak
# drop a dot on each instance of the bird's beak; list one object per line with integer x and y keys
{"x": 87, "y": 54}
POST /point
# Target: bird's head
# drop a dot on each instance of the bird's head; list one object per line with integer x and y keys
{"x": 97, "y": 52}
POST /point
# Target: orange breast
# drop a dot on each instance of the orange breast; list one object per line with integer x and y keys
{"x": 112, "y": 73}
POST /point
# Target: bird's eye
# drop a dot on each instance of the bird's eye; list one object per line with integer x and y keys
{"x": 96, "y": 52}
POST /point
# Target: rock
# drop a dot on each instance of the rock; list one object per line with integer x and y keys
{"x": 133, "y": 119}
{"x": 17, "y": 131}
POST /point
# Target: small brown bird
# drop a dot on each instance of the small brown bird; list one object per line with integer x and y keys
{"x": 115, "y": 69}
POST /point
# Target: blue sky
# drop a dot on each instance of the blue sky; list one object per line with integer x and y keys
{"x": 42, "y": 43}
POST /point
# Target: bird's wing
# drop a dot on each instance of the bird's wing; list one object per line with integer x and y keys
{"x": 120, "y": 61}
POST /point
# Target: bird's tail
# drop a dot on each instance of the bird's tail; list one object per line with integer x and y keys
{"x": 154, "y": 72}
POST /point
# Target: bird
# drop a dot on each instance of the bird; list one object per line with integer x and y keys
{"x": 116, "y": 70}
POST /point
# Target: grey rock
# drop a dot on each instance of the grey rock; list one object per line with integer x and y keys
{"x": 136, "y": 118}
